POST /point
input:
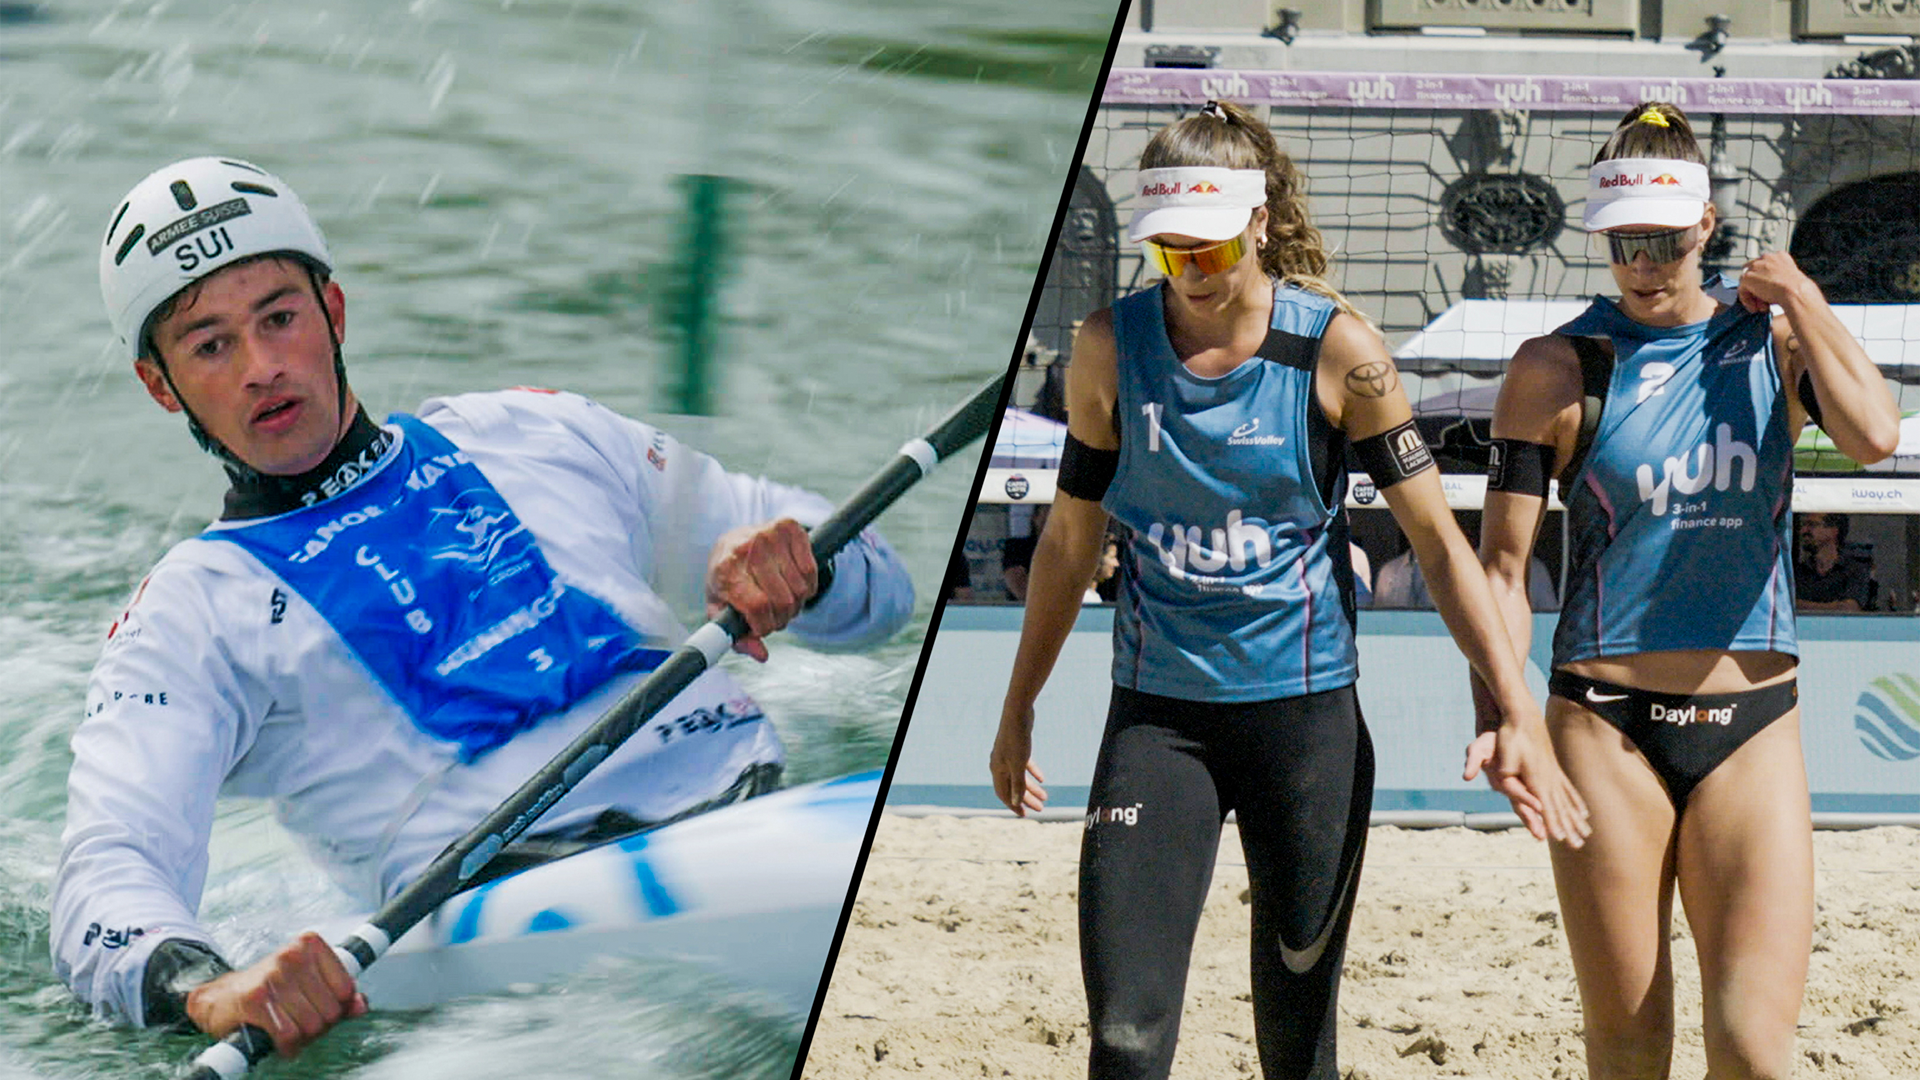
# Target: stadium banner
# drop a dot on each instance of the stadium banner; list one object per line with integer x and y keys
{"x": 1395, "y": 90}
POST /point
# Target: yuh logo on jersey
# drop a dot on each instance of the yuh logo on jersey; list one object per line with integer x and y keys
{"x": 1186, "y": 547}
{"x": 1711, "y": 463}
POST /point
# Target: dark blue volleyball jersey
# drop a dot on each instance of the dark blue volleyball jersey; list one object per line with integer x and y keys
{"x": 1233, "y": 490}
{"x": 1679, "y": 519}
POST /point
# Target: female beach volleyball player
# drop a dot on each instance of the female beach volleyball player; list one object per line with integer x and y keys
{"x": 1211, "y": 416}
{"x": 1673, "y": 704}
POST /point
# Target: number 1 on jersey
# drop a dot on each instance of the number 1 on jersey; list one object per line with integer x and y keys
{"x": 1152, "y": 411}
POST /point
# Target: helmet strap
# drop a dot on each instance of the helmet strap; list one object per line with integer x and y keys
{"x": 339, "y": 362}
{"x": 239, "y": 470}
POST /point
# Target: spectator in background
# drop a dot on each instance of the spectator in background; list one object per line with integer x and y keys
{"x": 1362, "y": 575}
{"x": 1399, "y": 584}
{"x": 959, "y": 582}
{"x": 1106, "y": 574}
{"x": 1052, "y": 399}
{"x": 1826, "y": 576}
{"x": 1017, "y": 555}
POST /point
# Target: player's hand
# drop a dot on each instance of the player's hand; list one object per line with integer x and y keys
{"x": 1016, "y": 779}
{"x": 294, "y": 995}
{"x": 767, "y": 573}
{"x": 1773, "y": 278}
{"x": 1520, "y": 764}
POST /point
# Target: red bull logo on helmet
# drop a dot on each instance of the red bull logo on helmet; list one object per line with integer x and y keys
{"x": 1666, "y": 179}
{"x": 1203, "y": 187}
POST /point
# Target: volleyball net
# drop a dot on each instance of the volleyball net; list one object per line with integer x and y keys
{"x": 1452, "y": 204}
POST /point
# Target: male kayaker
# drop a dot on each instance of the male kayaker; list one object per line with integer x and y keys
{"x": 391, "y": 626}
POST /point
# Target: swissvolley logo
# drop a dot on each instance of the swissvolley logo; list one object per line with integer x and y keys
{"x": 1888, "y": 717}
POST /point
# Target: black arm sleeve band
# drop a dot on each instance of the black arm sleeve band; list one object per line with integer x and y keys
{"x": 175, "y": 967}
{"x": 1809, "y": 399}
{"x": 1393, "y": 455}
{"x": 1520, "y": 467}
{"x": 1086, "y": 472}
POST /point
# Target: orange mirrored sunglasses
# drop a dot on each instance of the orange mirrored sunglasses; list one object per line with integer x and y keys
{"x": 1208, "y": 258}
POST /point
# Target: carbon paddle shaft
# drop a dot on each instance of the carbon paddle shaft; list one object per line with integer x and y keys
{"x": 233, "y": 1056}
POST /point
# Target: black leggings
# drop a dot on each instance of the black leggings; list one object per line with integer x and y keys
{"x": 1298, "y": 773}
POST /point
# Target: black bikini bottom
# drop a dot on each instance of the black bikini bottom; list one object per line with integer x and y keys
{"x": 1684, "y": 737}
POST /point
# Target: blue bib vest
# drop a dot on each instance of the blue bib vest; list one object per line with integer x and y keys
{"x": 1239, "y": 583}
{"x": 1679, "y": 521}
{"x": 443, "y": 594}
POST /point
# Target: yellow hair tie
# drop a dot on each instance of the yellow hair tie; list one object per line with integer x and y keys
{"x": 1654, "y": 117}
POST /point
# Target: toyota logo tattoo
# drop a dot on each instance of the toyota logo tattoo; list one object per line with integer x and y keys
{"x": 1372, "y": 380}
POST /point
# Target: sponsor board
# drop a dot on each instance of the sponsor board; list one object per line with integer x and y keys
{"x": 1377, "y": 90}
{"x": 1887, "y": 717}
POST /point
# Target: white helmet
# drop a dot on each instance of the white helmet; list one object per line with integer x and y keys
{"x": 186, "y": 221}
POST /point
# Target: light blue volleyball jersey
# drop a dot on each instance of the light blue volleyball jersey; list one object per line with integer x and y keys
{"x": 1679, "y": 518}
{"x": 1240, "y": 586}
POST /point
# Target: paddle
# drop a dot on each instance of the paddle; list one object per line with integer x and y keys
{"x": 240, "y": 1051}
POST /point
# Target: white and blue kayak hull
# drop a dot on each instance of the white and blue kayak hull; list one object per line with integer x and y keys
{"x": 752, "y": 892}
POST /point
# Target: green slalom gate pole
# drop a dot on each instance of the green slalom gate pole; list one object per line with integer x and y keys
{"x": 707, "y": 236}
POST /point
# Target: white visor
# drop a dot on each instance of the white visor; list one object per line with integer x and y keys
{"x": 1645, "y": 191}
{"x": 1203, "y": 202}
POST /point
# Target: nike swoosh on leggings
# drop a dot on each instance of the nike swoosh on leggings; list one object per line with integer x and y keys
{"x": 1301, "y": 961}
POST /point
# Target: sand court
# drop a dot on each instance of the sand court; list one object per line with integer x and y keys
{"x": 961, "y": 959}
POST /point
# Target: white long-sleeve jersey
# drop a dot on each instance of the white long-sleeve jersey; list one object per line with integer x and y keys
{"x": 221, "y": 680}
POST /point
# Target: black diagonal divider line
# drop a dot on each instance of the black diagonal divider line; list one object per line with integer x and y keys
{"x": 960, "y": 538}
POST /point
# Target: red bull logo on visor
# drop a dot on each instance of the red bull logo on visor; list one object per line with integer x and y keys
{"x": 1645, "y": 191}
{"x": 1161, "y": 187}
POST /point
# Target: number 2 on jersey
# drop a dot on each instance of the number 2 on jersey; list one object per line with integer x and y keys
{"x": 1653, "y": 380}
